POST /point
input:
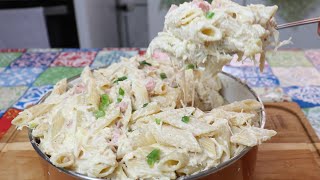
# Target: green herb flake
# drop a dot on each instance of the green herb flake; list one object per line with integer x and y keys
{"x": 145, "y": 105}
{"x": 99, "y": 114}
{"x": 120, "y": 79}
{"x": 209, "y": 15}
{"x": 158, "y": 121}
{"x": 185, "y": 119}
{"x": 153, "y": 157}
{"x": 121, "y": 92}
{"x": 32, "y": 125}
{"x": 105, "y": 99}
{"x": 190, "y": 66}
{"x": 119, "y": 99}
{"x": 105, "y": 102}
{"x": 163, "y": 76}
{"x": 145, "y": 63}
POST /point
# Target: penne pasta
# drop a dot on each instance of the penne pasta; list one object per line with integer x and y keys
{"x": 183, "y": 139}
{"x": 29, "y": 114}
{"x": 119, "y": 173}
{"x": 160, "y": 88}
{"x": 140, "y": 169}
{"x": 251, "y": 136}
{"x": 140, "y": 94}
{"x": 209, "y": 147}
{"x": 64, "y": 160}
{"x": 242, "y": 106}
{"x": 142, "y": 137}
{"x": 150, "y": 108}
{"x": 173, "y": 161}
{"x": 101, "y": 170}
{"x": 168, "y": 100}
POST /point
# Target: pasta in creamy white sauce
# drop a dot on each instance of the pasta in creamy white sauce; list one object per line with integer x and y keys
{"x": 159, "y": 115}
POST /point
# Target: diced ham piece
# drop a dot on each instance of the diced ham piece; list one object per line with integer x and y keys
{"x": 116, "y": 133}
{"x": 151, "y": 68}
{"x": 115, "y": 136}
{"x": 174, "y": 84}
{"x": 123, "y": 106}
{"x": 161, "y": 56}
{"x": 204, "y": 5}
{"x": 118, "y": 124}
{"x": 80, "y": 88}
{"x": 150, "y": 85}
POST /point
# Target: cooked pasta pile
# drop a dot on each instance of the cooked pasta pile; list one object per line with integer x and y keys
{"x": 160, "y": 115}
{"x": 127, "y": 121}
{"x": 209, "y": 36}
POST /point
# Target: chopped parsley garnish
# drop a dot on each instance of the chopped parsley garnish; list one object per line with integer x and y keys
{"x": 121, "y": 92}
{"x": 99, "y": 114}
{"x": 105, "y": 102}
{"x": 190, "y": 66}
{"x": 120, "y": 79}
{"x": 144, "y": 63}
{"x": 33, "y": 125}
{"x": 158, "y": 121}
{"x": 153, "y": 157}
{"x": 209, "y": 15}
{"x": 185, "y": 119}
{"x": 145, "y": 105}
{"x": 163, "y": 76}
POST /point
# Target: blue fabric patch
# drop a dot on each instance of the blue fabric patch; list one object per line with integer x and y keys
{"x": 105, "y": 58}
{"x": 19, "y": 76}
{"x": 306, "y": 97}
{"x": 34, "y": 60}
{"x": 32, "y": 96}
{"x": 253, "y": 71}
{"x": 37, "y": 50}
{"x": 248, "y": 71}
{"x": 235, "y": 71}
{"x": 80, "y": 50}
{"x": 252, "y": 75}
{"x": 2, "y": 112}
{"x": 270, "y": 81}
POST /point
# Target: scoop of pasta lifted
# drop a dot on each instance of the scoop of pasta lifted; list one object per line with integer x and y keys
{"x": 131, "y": 120}
{"x": 210, "y": 35}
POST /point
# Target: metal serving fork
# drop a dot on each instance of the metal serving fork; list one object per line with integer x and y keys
{"x": 301, "y": 22}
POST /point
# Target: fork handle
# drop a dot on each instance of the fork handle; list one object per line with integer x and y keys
{"x": 299, "y": 23}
